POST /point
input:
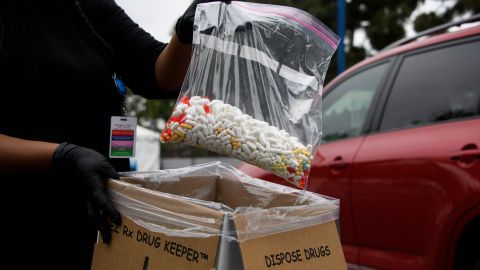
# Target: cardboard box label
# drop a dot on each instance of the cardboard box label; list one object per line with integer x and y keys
{"x": 316, "y": 247}
{"x": 135, "y": 247}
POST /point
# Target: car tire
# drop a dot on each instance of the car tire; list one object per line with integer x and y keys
{"x": 467, "y": 256}
{"x": 476, "y": 265}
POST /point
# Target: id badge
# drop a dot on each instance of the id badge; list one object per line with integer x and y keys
{"x": 122, "y": 136}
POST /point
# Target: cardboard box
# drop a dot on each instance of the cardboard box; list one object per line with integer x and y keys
{"x": 218, "y": 218}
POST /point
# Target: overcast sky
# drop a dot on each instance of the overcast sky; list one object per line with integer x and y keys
{"x": 157, "y": 17}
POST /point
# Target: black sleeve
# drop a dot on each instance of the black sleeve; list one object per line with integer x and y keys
{"x": 135, "y": 50}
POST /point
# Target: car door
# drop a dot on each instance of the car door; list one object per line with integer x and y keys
{"x": 410, "y": 178}
{"x": 345, "y": 110}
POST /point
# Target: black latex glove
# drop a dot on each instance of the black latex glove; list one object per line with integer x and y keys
{"x": 91, "y": 170}
{"x": 184, "y": 26}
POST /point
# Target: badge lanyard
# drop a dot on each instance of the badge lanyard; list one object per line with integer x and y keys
{"x": 122, "y": 128}
{"x": 122, "y": 90}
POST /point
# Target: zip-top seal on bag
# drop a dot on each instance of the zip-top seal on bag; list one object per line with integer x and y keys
{"x": 254, "y": 85}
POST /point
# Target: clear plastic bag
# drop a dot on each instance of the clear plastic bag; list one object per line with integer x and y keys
{"x": 193, "y": 201}
{"x": 253, "y": 88}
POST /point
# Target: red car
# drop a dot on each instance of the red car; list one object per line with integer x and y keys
{"x": 401, "y": 150}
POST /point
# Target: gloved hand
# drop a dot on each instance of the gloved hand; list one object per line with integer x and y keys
{"x": 184, "y": 26}
{"x": 91, "y": 170}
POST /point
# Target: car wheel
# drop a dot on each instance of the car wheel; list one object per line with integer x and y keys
{"x": 467, "y": 256}
{"x": 476, "y": 265}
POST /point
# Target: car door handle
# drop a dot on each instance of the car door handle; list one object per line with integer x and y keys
{"x": 466, "y": 154}
{"x": 338, "y": 164}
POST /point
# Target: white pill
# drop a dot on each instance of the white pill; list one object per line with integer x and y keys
{"x": 245, "y": 149}
{"x": 260, "y": 147}
{"x": 238, "y": 119}
{"x": 210, "y": 142}
{"x": 211, "y": 118}
{"x": 226, "y": 138}
{"x": 244, "y": 129}
{"x": 174, "y": 125}
{"x": 203, "y": 101}
{"x": 203, "y": 119}
{"x": 231, "y": 133}
{"x": 250, "y": 138}
{"x": 191, "y": 111}
{"x": 243, "y": 156}
{"x": 217, "y": 125}
{"x": 177, "y": 113}
{"x": 201, "y": 136}
{"x": 214, "y": 102}
{"x": 252, "y": 146}
{"x": 199, "y": 109}
{"x": 182, "y": 107}
{"x": 210, "y": 137}
{"x": 222, "y": 134}
{"x": 190, "y": 122}
{"x": 195, "y": 98}
{"x": 238, "y": 131}
{"x": 230, "y": 125}
{"x": 225, "y": 142}
{"x": 253, "y": 155}
{"x": 265, "y": 160}
{"x": 205, "y": 130}
{"x": 210, "y": 130}
{"x": 254, "y": 132}
{"x": 221, "y": 116}
{"x": 262, "y": 139}
{"x": 303, "y": 157}
{"x": 228, "y": 148}
{"x": 274, "y": 141}
{"x": 275, "y": 150}
{"x": 197, "y": 128}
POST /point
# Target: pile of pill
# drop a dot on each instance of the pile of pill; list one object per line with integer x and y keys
{"x": 223, "y": 128}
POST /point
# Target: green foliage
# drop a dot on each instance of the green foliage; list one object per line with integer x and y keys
{"x": 149, "y": 110}
{"x": 461, "y": 7}
{"x": 427, "y": 20}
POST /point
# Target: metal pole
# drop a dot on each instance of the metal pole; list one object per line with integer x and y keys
{"x": 341, "y": 26}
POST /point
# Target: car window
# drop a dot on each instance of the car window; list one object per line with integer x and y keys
{"x": 435, "y": 86}
{"x": 345, "y": 107}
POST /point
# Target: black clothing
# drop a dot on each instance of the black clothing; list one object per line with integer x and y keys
{"x": 56, "y": 85}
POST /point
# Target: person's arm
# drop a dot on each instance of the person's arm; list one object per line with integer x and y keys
{"x": 19, "y": 156}
{"x": 150, "y": 68}
{"x": 172, "y": 64}
{"x": 84, "y": 167}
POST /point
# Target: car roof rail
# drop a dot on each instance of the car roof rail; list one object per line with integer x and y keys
{"x": 433, "y": 30}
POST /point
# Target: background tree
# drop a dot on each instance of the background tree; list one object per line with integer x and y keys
{"x": 459, "y": 9}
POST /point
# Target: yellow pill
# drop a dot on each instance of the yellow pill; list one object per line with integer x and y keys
{"x": 179, "y": 134}
{"x": 187, "y": 126}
